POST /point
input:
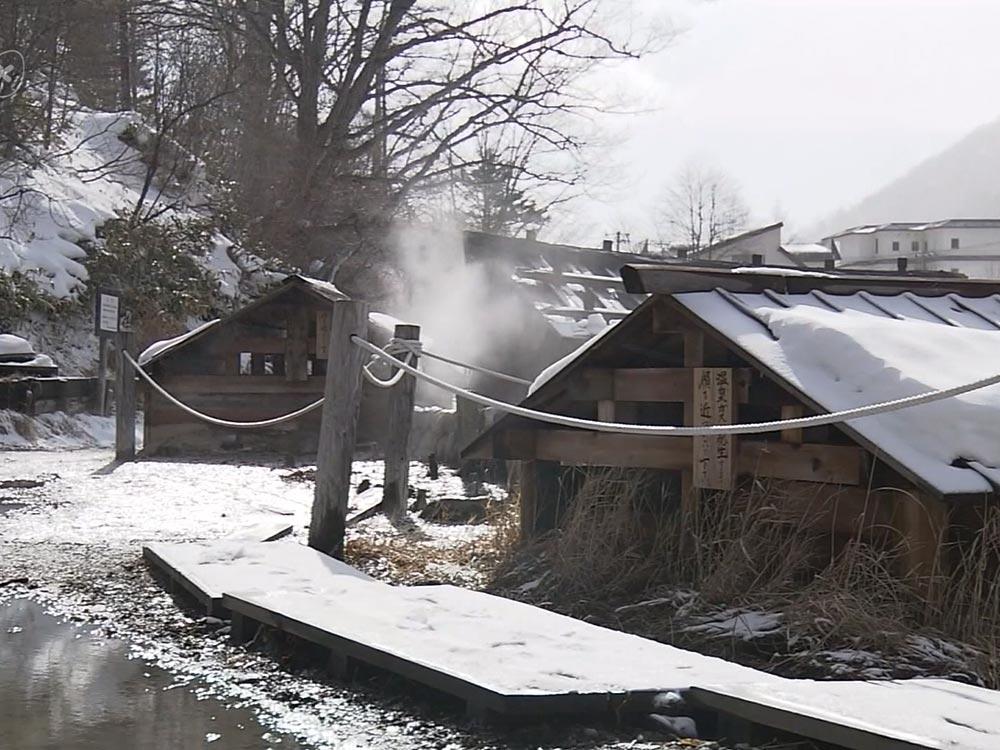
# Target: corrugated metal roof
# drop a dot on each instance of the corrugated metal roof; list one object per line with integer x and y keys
{"x": 848, "y": 350}
{"x": 578, "y": 291}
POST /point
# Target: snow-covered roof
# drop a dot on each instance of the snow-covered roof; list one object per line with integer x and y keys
{"x": 11, "y": 345}
{"x": 843, "y": 351}
{"x": 323, "y": 289}
{"x": 578, "y": 291}
{"x": 920, "y": 226}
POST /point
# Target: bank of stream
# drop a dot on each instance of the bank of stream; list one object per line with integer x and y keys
{"x": 62, "y": 687}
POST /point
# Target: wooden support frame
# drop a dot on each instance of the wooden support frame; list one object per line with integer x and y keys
{"x": 338, "y": 431}
{"x": 297, "y": 345}
{"x": 395, "y": 492}
{"x": 125, "y": 399}
{"x": 647, "y": 384}
{"x": 812, "y": 462}
{"x": 540, "y": 496}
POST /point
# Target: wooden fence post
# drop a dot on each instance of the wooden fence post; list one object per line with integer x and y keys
{"x": 395, "y": 492}
{"x": 342, "y": 394}
{"x": 124, "y": 399}
{"x": 100, "y": 398}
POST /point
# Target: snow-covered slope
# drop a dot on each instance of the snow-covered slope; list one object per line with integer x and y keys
{"x": 78, "y": 184}
{"x": 959, "y": 182}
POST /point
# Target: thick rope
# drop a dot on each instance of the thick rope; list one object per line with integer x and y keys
{"x": 215, "y": 420}
{"x": 409, "y": 347}
{"x": 477, "y": 368}
{"x": 704, "y": 431}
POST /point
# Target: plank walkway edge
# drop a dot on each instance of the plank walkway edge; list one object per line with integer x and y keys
{"x": 797, "y": 723}
{"x": 476, "y": 696}
{"x": 212, "y": 604}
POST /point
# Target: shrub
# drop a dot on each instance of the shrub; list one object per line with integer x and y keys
{"x": 156, "y": 267}
{"x": 19, "y": 296}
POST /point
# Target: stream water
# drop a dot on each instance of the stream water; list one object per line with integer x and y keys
{"x": 62, "y": 688}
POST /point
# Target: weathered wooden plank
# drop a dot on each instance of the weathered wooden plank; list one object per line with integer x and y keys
{"x": 713, "y": 465}
{"x": 582, "y": 448}
{"x": 339, "y": 427}
{"x": 125, "y": 401}
{"x": 811, "y": 462}
{"x": 606, "y": 410}
{"x": 322, "y": 340}
{"x": 830, "y": 464}
{"x": 646, "y": 384}
{"x": 395, "y": 491}
{"x": 209, "y": 385}
{"x": 297, "y": 346}
{"x": 791, "y": 411}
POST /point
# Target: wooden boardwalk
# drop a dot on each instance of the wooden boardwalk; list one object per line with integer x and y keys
{"x": 510, "y": 658}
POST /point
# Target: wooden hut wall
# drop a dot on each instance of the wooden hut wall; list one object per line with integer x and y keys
{"x": 260, "y": 365}
{"x": 650, "y": 372}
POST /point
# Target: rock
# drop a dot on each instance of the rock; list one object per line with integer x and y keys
{"x": 671, "y": 726}
{"x": 450, "y": 510}
{"x": 670, "y": 703}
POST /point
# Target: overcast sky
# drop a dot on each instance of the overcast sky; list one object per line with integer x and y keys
{"x": 809, "y": 104}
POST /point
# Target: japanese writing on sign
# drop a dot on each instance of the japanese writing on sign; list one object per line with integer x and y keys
{"x": 713, "y": 404}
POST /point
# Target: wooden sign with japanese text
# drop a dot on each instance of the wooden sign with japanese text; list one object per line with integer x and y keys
{"x": 713, "y": 404}
{"x": 323, "y": 318}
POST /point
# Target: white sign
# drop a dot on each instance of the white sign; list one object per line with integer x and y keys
{"x": 107, "y": 313}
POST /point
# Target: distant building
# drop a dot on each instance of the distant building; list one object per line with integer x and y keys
{"x": 968, "y": 246}
{"x": 763, "y": 246}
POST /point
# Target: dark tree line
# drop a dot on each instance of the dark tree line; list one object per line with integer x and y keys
{"x": 325, "y": 120}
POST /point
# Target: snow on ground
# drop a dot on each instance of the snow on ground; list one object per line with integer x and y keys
{"x": 78, "y": 185}
{"x": 72, "y": 524}
{"x": 56, "y": 430}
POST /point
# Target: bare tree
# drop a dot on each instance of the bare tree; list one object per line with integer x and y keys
{"x": 702, "y": 207}
{"x": 386, "y": 98}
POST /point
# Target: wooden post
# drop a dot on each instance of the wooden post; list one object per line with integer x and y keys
{"x": 694, "y": 355}
{"x": 922, "y": 523}
{"x": 540, "y": 497}
{"x": 338, "y": 430}
{"x": 395, "y": 492}
{"x": 100, "y": 402}
{"x": 297, "y": 345}
{"x": 125, "y": 400}
{"x": 794, "y": 435}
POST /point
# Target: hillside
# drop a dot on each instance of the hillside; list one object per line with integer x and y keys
{"x": 52, "y": 208}
{"x": 959, "y": 182}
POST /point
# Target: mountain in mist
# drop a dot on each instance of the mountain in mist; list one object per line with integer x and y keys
{"x": 963, "y": 181}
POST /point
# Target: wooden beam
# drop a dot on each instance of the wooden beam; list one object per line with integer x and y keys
{"x": 645, "y": 384}
{"x": 922, "y": 522}
{"x": 339, "y": 427}
{"x": 209, "y": 385}
{"x": 125, "y": 403}
{"x": 395, "y": 491}
{"x": 606, "y": 410}
{"x": 297, "y": 345}
{"x": 812, "y": 462}
{"x": 794, "y": 435}
{"x": 540, "y": 496}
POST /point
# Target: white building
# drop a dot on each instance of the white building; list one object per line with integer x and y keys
{"x": 763, "y": 246}
{"x": 968, "y": 246}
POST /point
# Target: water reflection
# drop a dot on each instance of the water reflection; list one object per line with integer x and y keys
{"x": 61, "y": 688}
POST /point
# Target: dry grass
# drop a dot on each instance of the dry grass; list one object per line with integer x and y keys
{"x": 409, "y": 556}
{"x": 622, "y": 541}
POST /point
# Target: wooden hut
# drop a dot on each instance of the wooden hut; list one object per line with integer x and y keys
{"x": 267, "y": 359}
{"x": 563, "y": 295}
{"x": 726, "y": 345}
